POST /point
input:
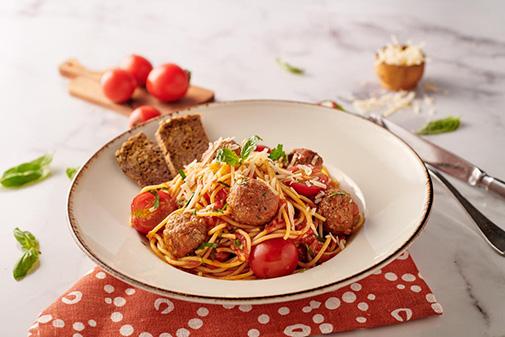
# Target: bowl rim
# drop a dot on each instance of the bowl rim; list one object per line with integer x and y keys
{"x": 76, "y": 235}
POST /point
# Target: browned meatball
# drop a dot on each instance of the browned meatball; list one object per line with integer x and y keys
{"x": 228, "y": 143}
{"x": 183, "y": 233}
{"x": 340, "y": 211}
{"x": 252, "y": 202}
{"x": 304, "y": 156}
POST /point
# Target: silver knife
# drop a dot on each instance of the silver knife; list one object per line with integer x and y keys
{"x": 444, "y": 160}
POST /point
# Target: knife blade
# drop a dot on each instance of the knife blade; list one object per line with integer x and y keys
{"x": 443, "y": 159}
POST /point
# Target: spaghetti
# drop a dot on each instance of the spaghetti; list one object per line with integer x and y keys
{"x": 202, "y": 191}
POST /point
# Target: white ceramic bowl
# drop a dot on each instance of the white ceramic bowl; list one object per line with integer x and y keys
{"x": 388, "y": 178}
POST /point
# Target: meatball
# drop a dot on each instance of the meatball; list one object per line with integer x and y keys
{"x": 183, "y": 233}
{"x": 252, "y": 202}
{"x": 340, "y": 211}
{"x": 304, "y": 156}
{"x": 228, "y": 143}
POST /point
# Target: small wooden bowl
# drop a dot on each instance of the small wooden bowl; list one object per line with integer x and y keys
{"x": 396, "y": 77}
{"x": 399, "y": 77}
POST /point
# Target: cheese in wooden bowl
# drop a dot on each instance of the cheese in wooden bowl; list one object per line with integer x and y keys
{"x": 400, "y": 66}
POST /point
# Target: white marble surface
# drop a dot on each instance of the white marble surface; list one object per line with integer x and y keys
{"x": 231, "y": 46}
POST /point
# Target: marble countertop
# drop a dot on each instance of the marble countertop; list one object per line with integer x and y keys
{"x": 231, "y": 46}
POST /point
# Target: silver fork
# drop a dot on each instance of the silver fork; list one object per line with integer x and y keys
{"x": 494, "y": 235}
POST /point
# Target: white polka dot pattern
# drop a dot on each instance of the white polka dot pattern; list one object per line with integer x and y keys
{"x": 126, "y": 330}
{"x": 263, "y": 318}
{"x": 113, "y": 305}
{"x": 195, "y": 323}
{"x": 253, "y": 333}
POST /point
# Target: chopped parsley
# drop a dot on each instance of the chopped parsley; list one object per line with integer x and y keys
{"x": 224, "y": 184}
{"x": 156, "y": 201}
{"x": 334, "y": 193}
{"x": 182, "y": 174}
{"x": 207, "y": 245}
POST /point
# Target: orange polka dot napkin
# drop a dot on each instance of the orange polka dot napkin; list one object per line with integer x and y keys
{"x": 100, "y": 305}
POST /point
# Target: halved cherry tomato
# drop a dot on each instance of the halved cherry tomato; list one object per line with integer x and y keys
{"x": 144, "y": 213}
{"x": 303, "y": 189}
{"x": 220, "y": 199}
{"x": 168, "y": 82}
{"x": 273, "y": 258}
{"x": 312, "y": 190}
{"x": 260, "y": 148}
{"x": 139, "y": 67}
{"x": 118, "y": 85}
{"x": 142, "y": 114}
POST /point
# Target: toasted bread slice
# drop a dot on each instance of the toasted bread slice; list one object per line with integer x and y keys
{"x": 142, "y": 161}
{"x": 182, "y": 140}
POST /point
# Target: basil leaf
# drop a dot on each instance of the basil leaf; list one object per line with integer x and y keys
{"x": 438, "y": 126}
{"x": 71, "y": 171}
{"x": 290, "y": 68}
{"x": 227, "y": 156}
{"x": 26, "y": 239}
{"x": 249, "y": 146}
{"x": 25, "y": 263}
{"x": 277, "y": 153}
{"x": 182, "y": 174}
{"x": 28, "y": 172}
{"x": 207, "y": 244}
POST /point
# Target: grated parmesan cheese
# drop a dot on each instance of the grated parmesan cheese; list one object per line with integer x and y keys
{"x": 387, "y": 104}
{"x": 401, "y": 54}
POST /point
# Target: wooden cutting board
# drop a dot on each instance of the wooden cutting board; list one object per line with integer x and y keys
{"x": 85, "y": 84}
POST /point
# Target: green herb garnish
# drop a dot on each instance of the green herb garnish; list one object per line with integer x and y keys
{"x": 156, "y": 203}
{"x": 277, "y": 153}
{"x": 438, "y": 126}
{"x": 189, "y": 200}
{"x": 334, "y": 193}
{"x": 249, "y": 146}
{"x": 310, "y": 253}
{"x": 207, "y": 245}
{"x": 228, "y": 156}
{"x": 28, "y": 172}
{"x": 290, "y": 68}
{"x": 224, "y": 184}
{"x": 182, "y": 174}
{"x": 71, "y": 171}
{"x": 30, "y": 246}
{"x": 237, "y": 243}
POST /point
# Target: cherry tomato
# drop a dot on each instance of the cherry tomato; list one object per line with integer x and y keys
{"x": 168, "y": 82}
{"x": 260, "y": 148}
{"x": 139, "y": 67}
{"x": 142, "y": 114}
{"x": 118, "y": 85}
{"x": 220, "y": 199}
{"x": 309, "y": 191}
{"x": 273, "y": 258}
{"x": 144, "y": 213}
{"x": 303, "y": 189}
